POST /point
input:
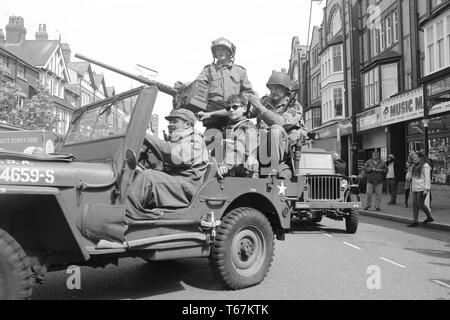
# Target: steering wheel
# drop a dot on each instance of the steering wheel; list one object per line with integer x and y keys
{"x": 144, "y": 155}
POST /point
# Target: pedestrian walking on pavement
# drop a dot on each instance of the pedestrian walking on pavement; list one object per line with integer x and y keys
{"x": 408, "y": 178}
{"x": 392, "y": 178}
{"x": 420, "y": 187}
{"x": 375, "y": 170}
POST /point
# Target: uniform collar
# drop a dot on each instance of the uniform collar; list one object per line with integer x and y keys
{"x": 229, "y": 65}
{"x": 179, "y": 135}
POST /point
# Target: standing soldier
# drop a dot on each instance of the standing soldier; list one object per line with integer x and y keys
{"x": 281, "y": 116}
{"x": 224, "y": 78}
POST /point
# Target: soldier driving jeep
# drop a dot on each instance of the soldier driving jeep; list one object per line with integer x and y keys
{"x": 185, "y": 159}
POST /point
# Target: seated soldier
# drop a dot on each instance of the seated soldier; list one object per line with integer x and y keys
{"x": 241, "y": 141}
{"x": 281, "y": 116}
{"x": 186, "y": 160}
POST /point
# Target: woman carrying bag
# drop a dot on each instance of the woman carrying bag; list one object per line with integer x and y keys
{"x": 420, "y": 187}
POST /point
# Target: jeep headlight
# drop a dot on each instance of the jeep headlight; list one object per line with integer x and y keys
{"x": 344, "y": 183}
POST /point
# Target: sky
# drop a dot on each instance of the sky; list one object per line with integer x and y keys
{"x": 172, "y": 37}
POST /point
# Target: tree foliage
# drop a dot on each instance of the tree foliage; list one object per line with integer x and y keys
{"x": 37, "y": 113}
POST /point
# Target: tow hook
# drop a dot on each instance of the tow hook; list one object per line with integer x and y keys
{"x": 208, "y": 222}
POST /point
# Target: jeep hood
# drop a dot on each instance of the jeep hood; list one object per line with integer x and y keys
{"x": 52, "y": 170}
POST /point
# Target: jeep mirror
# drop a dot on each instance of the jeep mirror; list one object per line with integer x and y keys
{"x": 130, "y": 157}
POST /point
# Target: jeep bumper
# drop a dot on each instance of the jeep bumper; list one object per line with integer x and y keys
{"x": 317, "y": 205}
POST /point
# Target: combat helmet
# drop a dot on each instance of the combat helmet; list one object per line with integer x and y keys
{"x": 279, "y": 78}
{"x": 226, "y": 43}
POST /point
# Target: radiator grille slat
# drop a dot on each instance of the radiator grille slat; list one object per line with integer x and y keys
{"x": 324, "y": 188}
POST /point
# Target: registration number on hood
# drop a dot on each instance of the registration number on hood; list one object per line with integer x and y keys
{"x": 27, "y": 175}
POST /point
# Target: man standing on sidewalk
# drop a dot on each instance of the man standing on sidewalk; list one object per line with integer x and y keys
{"x": 375, "y": 170}
{"x": 391, "y": 178}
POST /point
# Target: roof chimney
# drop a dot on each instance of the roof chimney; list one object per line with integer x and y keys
{"x": 15, "y": 30}
{"x": 2, "y": 37}
{"x": 66, "y": 51}
{"x": 42, "y": 33}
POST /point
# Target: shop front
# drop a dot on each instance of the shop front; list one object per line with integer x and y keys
{"x": 437, "y": 98}
{"x": 372, "y": 133}
{"x": 397, "y": 112}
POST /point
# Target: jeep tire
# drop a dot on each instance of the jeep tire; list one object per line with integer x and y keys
{"x": 243, "y": 249}
{"x": 16, "y": 280}
{"x": 351, "y": 221}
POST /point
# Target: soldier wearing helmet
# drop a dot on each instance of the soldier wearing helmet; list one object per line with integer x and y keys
{"x": 224, "y": 79}
{"x": 186, "y": 159}
{"x": 281, "y": 116}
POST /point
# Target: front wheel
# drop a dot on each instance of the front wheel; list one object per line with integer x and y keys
{"x": 16, "y": 281}
{"x": 243, "y": 249}
{"x": 351, "y": 221}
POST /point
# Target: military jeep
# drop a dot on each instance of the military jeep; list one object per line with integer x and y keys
{"x": 326, "y": 193}
{"x": 67, "y": 208}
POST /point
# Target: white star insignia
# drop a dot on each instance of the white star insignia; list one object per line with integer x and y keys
{"x": 281, "y": 189}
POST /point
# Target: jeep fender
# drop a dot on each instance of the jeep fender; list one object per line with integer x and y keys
{"x": 40, "y": 222}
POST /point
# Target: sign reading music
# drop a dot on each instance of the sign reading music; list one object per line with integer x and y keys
{"x": 402, "y": 107}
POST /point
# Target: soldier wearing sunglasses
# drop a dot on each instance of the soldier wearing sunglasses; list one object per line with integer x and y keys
{"x": 240, "y": 141}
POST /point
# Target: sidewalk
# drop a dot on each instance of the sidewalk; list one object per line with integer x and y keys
{"x": 440, "y": 211}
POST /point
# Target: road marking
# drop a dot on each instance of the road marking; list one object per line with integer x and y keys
{"x": 352, "y": 245}
{"x": 393, "y": 262}
{"x": 441, "y": 283}
{"x": 328, "y": 235}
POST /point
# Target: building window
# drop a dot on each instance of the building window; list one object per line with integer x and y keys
{"x": 389, "y": 80}
{"x": 20, "y": 71}
{"x": 396, "y": 24}
{"x": 389, "y": 32}
{"x": 430, "y": 48}
{"x": 337, "y": 59}
{"x": 316, "y": 118}
{"x": 437, "y": 45}
{"x": 338, "y": 102}
{"x": 376, "y": 41}
{"x": 440, "y": 57}
{"x": 371, "y": 88}
{"x": 20, "y": 102}
{"x": 382, "y": 36}
{"x": 436, "y": 3}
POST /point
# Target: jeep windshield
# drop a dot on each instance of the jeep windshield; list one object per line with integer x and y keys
{"x": 104, "y": 120}
{"x": 316, "y": 163}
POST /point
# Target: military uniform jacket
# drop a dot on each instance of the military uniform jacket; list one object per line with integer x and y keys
{"x": 225, "y": 80}
{"x": 185, "y": 155}
{"x": 241, "y": 148}
{"x": 285, "y": 114}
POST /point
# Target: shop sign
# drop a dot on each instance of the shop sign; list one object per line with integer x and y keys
{"x": 329, "y": 131}
{"x": 369, "y": 119}
{"x": 440, "y": 108}
{"x": 402, "y": 107}
{"x": 345, "y": 127}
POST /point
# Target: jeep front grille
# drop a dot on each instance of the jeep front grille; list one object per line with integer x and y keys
{"x": 324, "y": 188}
